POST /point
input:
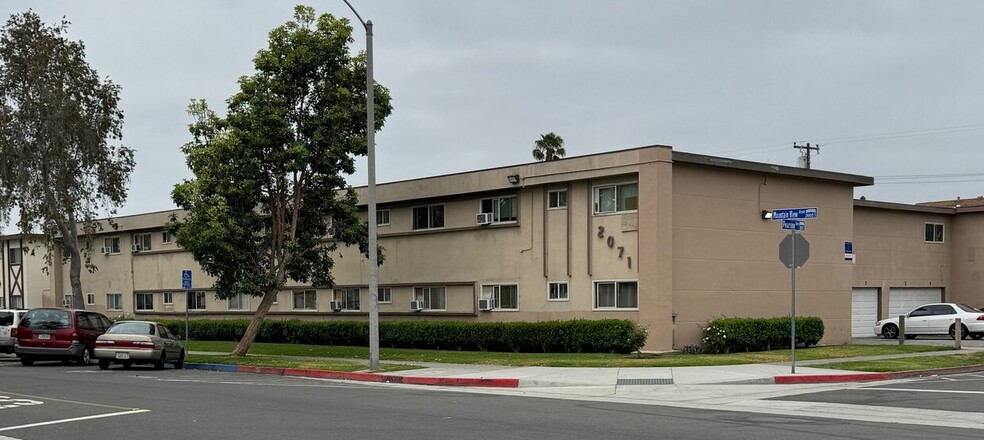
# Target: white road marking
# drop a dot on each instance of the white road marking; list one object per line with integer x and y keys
{"x": 908, "y": 390}
{"x": 8, "y": 438}
{"x": 9, "y": 402}
{"x": 75, "y": 419}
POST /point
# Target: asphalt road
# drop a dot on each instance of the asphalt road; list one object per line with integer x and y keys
{"x": 52, "y": 402}
{"x": 961, "y": 392}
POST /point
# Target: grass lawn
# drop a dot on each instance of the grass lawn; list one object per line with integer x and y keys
{"x": 562, "y": 359}
{"x": 910, "y": 363}
{"x": 281, "y": 362}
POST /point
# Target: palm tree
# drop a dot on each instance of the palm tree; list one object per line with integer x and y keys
{"x": 550, "y": 146}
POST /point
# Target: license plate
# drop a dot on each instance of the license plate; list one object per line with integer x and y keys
{"x": 44, "y": 336}
{"x": 122, "y": 355}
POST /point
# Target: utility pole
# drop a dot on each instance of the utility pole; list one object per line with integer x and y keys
{"x": 807, "y": 151}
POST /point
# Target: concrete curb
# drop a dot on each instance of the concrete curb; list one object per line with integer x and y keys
{"x": 363, "y": 377}
{"x": 866, "y": 377}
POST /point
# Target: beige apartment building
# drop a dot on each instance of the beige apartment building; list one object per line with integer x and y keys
{"x": 23, "y": 281}
{"x": 668, "y": 239}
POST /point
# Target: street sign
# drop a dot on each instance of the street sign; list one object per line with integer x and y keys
{"x": 794, "y": 213}
{"x": 186, "y": 280}
{"x": 795, "y": 225}
{"x": 802, "y": 252}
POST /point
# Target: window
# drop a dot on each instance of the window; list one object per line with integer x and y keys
{"x": 616, "y": 198}
{"x": 428, "y": 217}
{"x": 168, "y": 297}
{"x": 239, "y": 302}
{"x": 383, "y": 217}
{"x": 114, "y": 301}
{"x": 557, "y": 292}
{"x": 503, "y": 209}
{"x": 17, "y": 302}
{"x": 145, "y": 301}
{"x": 68, "y": 301}
{"x": 616, "y": 295}
{"x": 503, "y": 296}
{"x": 90, "y": 299}
{"x": 349, "y": 298}
{"x": 384, "y": 295}
{"x": 305, "y": 300}
{"x": 141, "y": 242}
{"x": 166, "y": 237}
{"x": 557, "y": 199}
{"x": 111, "y": 245}
{"x": 934, "y": 233}
{"x": 196, "y": 300}
{"x": 434, "y": 298}
{"x": 15, "y": 256}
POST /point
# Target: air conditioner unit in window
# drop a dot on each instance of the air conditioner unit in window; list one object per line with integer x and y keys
{"x": 136, "y": 248}
{"x": 336, "y": 306}
{"x": 67, "y": 303}
{"x": 417, "y": 306}
{"x": 483, "y": 218}
{"x": 105, "y": 250}
{"x": 485, "y": 304}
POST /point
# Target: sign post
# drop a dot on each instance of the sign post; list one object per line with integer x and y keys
{"x": 186, "y": 286}
{"x": 794, "y": 250}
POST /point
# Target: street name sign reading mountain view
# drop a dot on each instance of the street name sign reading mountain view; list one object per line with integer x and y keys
{"x": 794, "y": 213}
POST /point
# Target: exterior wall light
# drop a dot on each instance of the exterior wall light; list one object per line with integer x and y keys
{"x": 513, "y": 178}
{"x": 766, "y": 215}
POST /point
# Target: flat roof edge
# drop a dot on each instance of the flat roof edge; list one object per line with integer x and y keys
{"x": 860, "y": 203}
{"x": 743, "y": 165}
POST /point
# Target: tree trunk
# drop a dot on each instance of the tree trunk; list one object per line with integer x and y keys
{"x": 254, "y": 324}
{"x": 74, "y": 276}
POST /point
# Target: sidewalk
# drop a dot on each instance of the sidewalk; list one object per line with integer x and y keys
{"x": 540, "y": 377}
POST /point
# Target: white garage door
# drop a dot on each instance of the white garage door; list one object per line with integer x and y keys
{"x": 864, "y": 311}
{"x": 902, "y": 300}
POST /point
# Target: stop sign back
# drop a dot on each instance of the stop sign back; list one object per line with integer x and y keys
{"x": 792, "y": 259}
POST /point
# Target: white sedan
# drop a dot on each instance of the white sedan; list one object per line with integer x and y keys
{"x": 139, "y": 342}
{"x": 935, "y": 319}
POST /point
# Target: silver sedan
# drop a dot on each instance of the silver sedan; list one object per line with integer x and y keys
{"x": 139, "y": 342}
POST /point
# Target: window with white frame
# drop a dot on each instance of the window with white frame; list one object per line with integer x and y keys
{"x": 616, "y": 295}
{"x": 166, "y": 237}
{"x": 114, "y": 301}
{"x": 434, "y": 298}
{"x": 90, "y": 299}
{"x": 503, "y": 296}
{"x": 68, "y": 300}
{"x": 383, "y": 217}
{"x": 384, "y": 295}
{"x": 428, "y": 217}
{"x": 934, "y": 232}
{"x": 15, "y": 256}
{"x": 141, "y": 242}
{"x": 305, "y": 299}
{"x": 348, "y": 297}
{"x": 503, "y": 209}
{"x": 616, "y": 198}
{"x": 111, "y": 245}
{"x": 196, "y": 300}
{"x": 557, "y": 198}
{"x": 557, "y": 291}
{"x": 145, "y": 301}
{"x": 239, "y": 302}
{"x": 16, "y": 302}
{"x": 168, "y": 297}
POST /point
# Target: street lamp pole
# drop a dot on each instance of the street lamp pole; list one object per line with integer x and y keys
{"x": 373, "y": 257}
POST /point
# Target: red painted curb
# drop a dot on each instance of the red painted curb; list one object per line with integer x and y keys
{"x": 829, "y": 378}
{"x": 382, "y": 378}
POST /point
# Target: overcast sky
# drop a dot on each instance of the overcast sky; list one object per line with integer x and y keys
{"x": 889, "y": 89}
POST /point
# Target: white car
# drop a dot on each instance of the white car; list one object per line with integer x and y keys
{"x": 139, "y": 342}
{"x": 935, "y": 319}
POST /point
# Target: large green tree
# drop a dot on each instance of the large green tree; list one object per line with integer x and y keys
{"x": 269, "y": 202}
{"x": 61, "y": 161}
{"x": 550, "y": 146}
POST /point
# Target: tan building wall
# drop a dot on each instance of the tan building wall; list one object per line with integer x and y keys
{"x": 23, "y": 281}
{"x": 966, "y": 244}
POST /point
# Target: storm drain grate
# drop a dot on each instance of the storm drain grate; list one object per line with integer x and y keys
{"x": 645, "y": 382}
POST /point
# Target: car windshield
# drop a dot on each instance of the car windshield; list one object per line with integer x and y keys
{"x": 132, "y": 328}
{"x": 47, "y": 319}
{"x": 968, "y": 309}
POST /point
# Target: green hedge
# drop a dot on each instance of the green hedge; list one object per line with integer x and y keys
{"x": 730, "y": 335}
{"x": 574, "y": 336}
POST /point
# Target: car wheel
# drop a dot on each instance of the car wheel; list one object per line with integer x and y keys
{"x": 103, "y": 364}
{"x": 890, "y": 331}
{"x": 181, "y": 361}
{"x": 26, "y": 361}
{"x": 86, "y": 357}
{"x": 977, "y": 336}
{"x": 964, "y": 333}
{"x": 159, "y": 363}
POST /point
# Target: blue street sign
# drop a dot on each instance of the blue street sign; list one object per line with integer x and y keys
{"x": 186, "y": 279}
{"x": 794, "y": 213}
{"x": 848, "y": 247}
{"x": 796, "y": 225}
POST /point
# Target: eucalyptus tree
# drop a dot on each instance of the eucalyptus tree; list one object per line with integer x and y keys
{"x": 62, "y": 163}
{"x": 268, "y": 202}
{"x": 550, "y": 146}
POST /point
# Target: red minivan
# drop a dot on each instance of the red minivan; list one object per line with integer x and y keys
{"x": 58, "y": 334}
